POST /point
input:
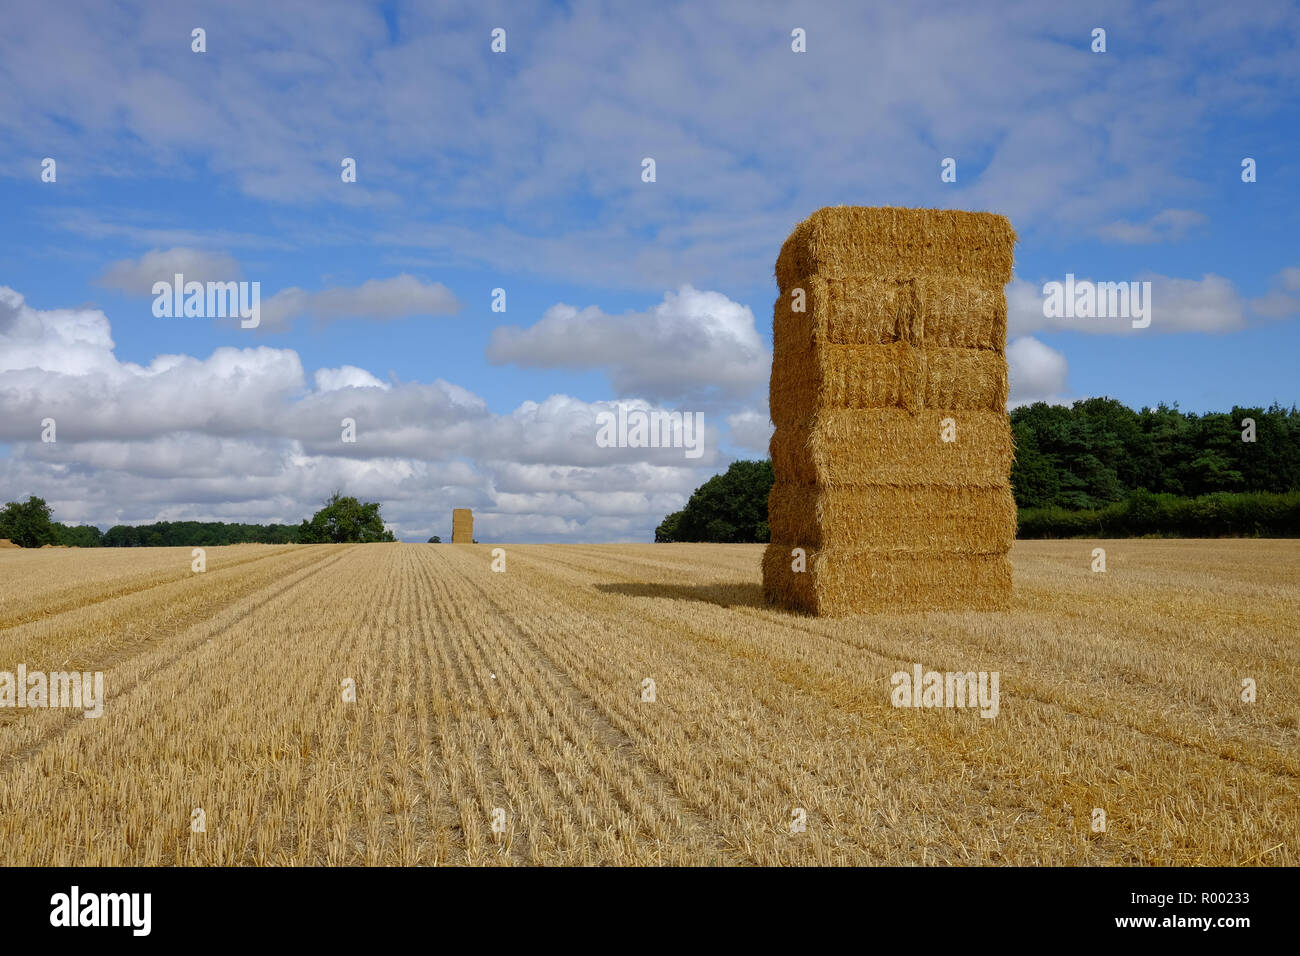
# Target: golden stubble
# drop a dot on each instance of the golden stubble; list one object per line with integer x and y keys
{"x": 522, "y": 691}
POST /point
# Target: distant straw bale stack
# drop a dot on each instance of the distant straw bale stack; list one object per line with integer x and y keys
{"x": 890, "y": 323}
{"x": 6, "y": 543}
{"x": 462, "y": 526}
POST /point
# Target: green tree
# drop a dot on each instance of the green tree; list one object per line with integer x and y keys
{"x": 1033, "y": 473}
{"x": 344, "y": 520}
{"x": 728, "y": 508}
{"x": 669, "y": 528}
{"x": 28, "y": 523}
{"x": 435, "y": 540}
{"x": 78, "y": 536}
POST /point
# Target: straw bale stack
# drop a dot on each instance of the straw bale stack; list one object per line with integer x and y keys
{"x": 462, "y": 526}
{"x": 900, "y": 341}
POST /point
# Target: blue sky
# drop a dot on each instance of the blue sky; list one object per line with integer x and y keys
{"x": 522, "y": 171}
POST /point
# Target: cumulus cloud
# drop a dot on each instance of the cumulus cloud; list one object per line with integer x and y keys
{"x": 666, "y": 352}
{"x": 137, "y": 276}
{"x": 400, "y": 297}
{"x": 239, "y": 435}
{"x": 1038, "y": 372}
{"x": 751, "y": 430}
{"x": 346, "y": 376}
{"x": 60, "y": 364}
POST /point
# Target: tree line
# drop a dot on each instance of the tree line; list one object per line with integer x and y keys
{"x": 343, "y": 519}
{"x": 1094, "y": 468}
{"x": 1097, "y": 452}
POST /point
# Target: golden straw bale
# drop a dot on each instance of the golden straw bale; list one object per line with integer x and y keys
{"x": 888, "y": 242}
{"x": 933, "y": 310}
{"x": 894, "y": 518}
{"x": 807, "y": 380}
{"x": 843, "y": 581}
{"x": 889, "y": 446}
{"x": 965, "y": 379}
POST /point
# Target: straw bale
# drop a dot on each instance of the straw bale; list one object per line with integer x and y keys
{"x": 889, "y": 446}
{"x": 888, "y": 242}
{"x": 6, "y": 543}
{"x": 894, "y": 518}
{"x": 965, "y": 379}
{"x": 462, "y": 526}
{"x": 810, "y": 379}
{"x": 941, "y": 311}
{"x": 806, "y": 380}
{"x": 843, "y": 581}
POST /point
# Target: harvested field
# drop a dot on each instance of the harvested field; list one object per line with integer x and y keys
{"x": 477, "y": 690}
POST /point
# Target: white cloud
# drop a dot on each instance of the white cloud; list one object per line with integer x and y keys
{"x": 1208, "y": 304}
{"x": 60, "y": 364}
{"x": 399, "y": 297}
{"x": 347, "y": 376}
{"x": 1045, "y": 131}
{"x": 667, "y": 352}
{"x": 239, "y": 436}
{"x": 1283, "y": 301}
{"x": 1038, "y": 372}
{"x": 61, "y": 341}
{"x": 1165, "y": 226}
{"x": 137, "y": 276}
{"x": 751, "y": 430}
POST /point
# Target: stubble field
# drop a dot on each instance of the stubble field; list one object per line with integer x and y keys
{"x": 522, "y": 691}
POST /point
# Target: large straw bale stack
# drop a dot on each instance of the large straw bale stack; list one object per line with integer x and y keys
{"x": 902, "y": 328}
{"x": 462, "y": 526}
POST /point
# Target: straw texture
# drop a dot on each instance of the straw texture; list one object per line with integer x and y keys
{"x": 894, "y": 517}
{"x": 843, "y": 581}
{"x": 889, "y": 446}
